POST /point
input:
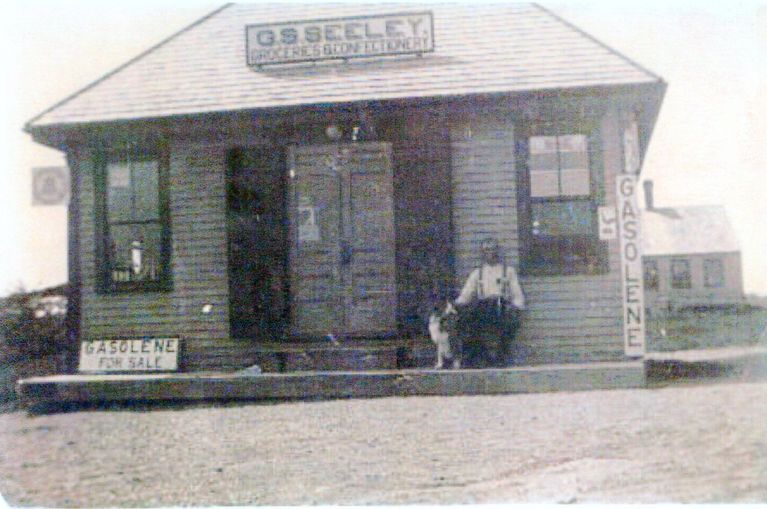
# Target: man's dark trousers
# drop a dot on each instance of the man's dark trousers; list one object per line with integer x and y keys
{"x": 488, "y": 327}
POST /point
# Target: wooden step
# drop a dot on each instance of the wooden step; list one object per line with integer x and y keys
{"x": 345, "y": 356}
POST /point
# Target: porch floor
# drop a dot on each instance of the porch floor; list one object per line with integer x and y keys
{"x": 313, "y": 385}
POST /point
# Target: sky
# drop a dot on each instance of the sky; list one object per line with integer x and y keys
{"x": 709, "y": 144}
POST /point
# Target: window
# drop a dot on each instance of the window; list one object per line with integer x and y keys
{"x": 713, "y": 273}
{"x": 558, "y": 204}
{"x": 680, "y": 274}
{"x": 651, "y": 278}
{"x": 559, "y": 166}
{"x": 134, "y": 247}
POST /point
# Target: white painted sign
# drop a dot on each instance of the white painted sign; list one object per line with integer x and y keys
{"x": 150, "y": 354}
{"x": 631, "y": 158}
{"x": 340, "y": 38}
{"x": 50, "y": 186}
{"x": 608, "y": 223}
{"x": 308, "y": 229}
{"x": 631, "y": 266}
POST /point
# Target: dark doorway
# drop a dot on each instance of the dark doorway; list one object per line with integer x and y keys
{"x": 423, "y": 215}
{"x": 257, "y": 233}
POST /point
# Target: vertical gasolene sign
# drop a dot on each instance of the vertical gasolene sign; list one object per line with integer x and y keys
{"x": 630, "y": 235}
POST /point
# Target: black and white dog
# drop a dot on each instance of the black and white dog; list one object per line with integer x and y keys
{"x": 444, "y": 333}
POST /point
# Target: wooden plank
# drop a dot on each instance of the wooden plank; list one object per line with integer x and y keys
{"x": 92, "y": 388}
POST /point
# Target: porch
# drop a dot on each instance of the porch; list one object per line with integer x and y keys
{"x": 52, "y": 392}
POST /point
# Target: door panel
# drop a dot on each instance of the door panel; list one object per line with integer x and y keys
{"x": 372, "y": 288}
{"x": 316, "y": 307}
{"x": 342, "y": 229}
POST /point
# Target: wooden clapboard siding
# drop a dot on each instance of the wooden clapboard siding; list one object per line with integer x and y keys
{"x": 579, "y": 318}
{"x": 568, "y": 318}
{"x": 455, "y": 182}
{"x": 198, "y": 261}
{"x": 483, "y": 187}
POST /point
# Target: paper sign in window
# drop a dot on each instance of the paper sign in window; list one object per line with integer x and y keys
{"x": 308, "y": 229}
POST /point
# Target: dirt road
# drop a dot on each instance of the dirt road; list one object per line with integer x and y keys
{"x": 689, "y": 443}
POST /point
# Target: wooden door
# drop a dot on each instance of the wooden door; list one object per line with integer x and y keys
{"x": 342, "y": 276}
{"x": 369, "y": 276}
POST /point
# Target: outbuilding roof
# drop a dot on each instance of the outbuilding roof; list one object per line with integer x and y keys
{"x": 687, "y": 230}
{"x": 478, "y": 49}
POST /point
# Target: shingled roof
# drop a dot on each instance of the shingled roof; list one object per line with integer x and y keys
{"x": 478, "y": 49}
{"x": 687, "y": 230}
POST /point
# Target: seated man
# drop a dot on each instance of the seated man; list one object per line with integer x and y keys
{"x": 490, "y": 301}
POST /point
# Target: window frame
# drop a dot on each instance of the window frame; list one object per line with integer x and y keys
{"x": 530, "y": 245}
{"x": 707, "y": 262}
{"x": 674, "y": 280}
{"x": 105, "y": 283}
{"x": 651, "y": 279}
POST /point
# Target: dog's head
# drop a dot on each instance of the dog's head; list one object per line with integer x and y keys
{"x": 449, "y": 318}
{"x": 444, "y": 320}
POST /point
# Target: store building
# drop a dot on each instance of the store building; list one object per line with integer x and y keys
{"x": 291, "y": 173}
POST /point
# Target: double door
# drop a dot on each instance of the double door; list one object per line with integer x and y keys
{"x": 341, "y": 263}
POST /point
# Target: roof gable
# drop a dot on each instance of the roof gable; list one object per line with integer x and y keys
{"x": 479, "y": 49}
{"x": 687, "y": 230}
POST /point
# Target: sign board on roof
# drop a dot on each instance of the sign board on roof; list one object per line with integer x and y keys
{"x": 339, "y": 38}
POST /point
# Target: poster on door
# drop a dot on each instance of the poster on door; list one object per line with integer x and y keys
{"x": 308, "y": 228}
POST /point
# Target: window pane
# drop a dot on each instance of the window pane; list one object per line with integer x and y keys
{"x": 559, "y": 166}
{"x": 118, "y": 192}
{"x": 544, "y": 162}
{"x": 543, "y": 144}
{"x": 572, "y": 143}
{"x": 576, "y": 183}
{"x": 562, "y": 218}
{"x": 146, "y": 189}
{"x": 680, "y": 274}
{"x": 135, "y": 252}
{"x": 574, "y": 160}
{"x": 544, "y": 184}
{"x": 651, "y": 277}
{"x": 713, "y": 273}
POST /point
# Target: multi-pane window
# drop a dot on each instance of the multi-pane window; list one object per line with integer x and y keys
{"x": 713, "y": 273}
{"x": 651, "y": 276}
{"x": 558, "y": 206}
{"x": 135, "y": 250}
{"x": 680, "y": 274}
{"x": 559, "y": 166}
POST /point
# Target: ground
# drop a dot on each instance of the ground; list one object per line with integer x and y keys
{"x": 681, "y": 443}
{"x": 707, "y": 328}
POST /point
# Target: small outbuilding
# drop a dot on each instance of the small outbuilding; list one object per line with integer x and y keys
{"x": 691, "y": 256}
{"x": 288, "y": 174}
